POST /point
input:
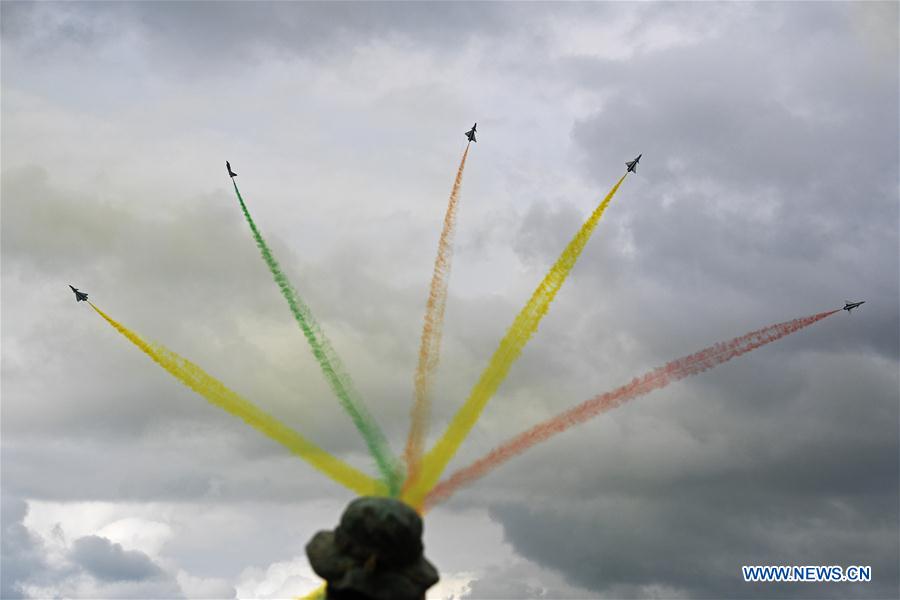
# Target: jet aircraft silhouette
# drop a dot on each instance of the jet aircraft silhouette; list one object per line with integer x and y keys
{"x": 471, "y": 133}
{"x": 632, "y": 164}
{"x": 849, "y": 306}
{"x": 79, "y": 296}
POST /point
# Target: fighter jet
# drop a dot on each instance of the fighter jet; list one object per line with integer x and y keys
{"x": 632, "y": 164}
{"x": 231, "y": 173}
{"x": 79, "y": 296}
{"x": 471, "y": 133}
{"x": 849, "y": 306}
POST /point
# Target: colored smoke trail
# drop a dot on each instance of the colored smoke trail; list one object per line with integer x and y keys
{"x": 524, "y": 326}
{"x": 432, "y": 330}
{"x": 216, "y": 393}
{"x": 659, "y": 378}
{"x": 331, "y": 366}
{"x": 316, "y": 594}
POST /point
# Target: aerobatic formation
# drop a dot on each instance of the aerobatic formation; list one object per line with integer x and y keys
{"x": 416, "y": 477}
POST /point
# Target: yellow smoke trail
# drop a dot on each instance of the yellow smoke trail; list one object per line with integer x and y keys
{"x": 430, "y": 346}
{"x": 216, "y": 393}
{"x": 316, "y": 594}
{"x": 524, "y": 326}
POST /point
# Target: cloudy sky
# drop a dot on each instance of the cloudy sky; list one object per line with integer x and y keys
{"x": 768, "y": 190}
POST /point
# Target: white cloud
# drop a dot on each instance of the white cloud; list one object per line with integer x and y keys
{"x": 283, "y": 579}
{"x": 138, "y": 534}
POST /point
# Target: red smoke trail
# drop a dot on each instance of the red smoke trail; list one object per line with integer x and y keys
{"x": 661, "y": 377}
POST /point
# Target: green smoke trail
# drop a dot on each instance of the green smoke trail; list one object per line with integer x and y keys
{"x": 331, "y": 367}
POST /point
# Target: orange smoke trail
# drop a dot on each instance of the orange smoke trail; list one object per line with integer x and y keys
{"x": 432, "y": 331}
{"x": 523, "y": 327}
{"x": 656, "y": 379}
